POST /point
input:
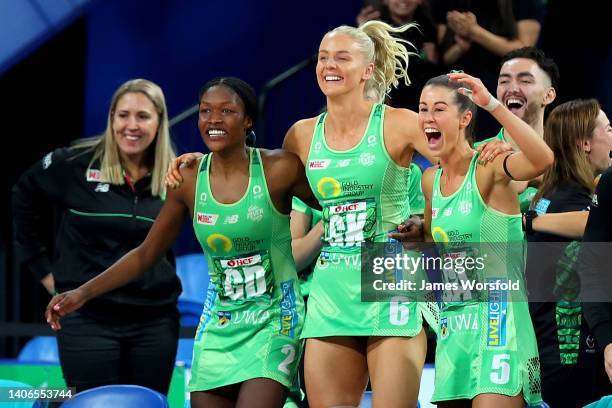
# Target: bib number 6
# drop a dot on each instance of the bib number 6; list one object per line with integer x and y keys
{"x": 399, "y": 313}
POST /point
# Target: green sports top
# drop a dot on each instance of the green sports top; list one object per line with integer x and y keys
{"x": 526, "y": 196}
{"x": 248, "y": 243}
{"x": 463, "y": 218}
{"x": 416, "y": 198}
{"x": 305, "y": 275}
{"x": 362, "y": 190}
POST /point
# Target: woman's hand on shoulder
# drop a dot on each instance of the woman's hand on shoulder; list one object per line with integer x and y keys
{"x": 174, "y": 178}
{"x": 490, "y": 150}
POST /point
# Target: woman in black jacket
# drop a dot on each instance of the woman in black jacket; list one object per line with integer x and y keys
{"x": 109, "y": 190}
{"x": 579, "y": 135}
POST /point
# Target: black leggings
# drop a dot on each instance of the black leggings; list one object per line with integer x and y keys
{"x": 95, "y": 352}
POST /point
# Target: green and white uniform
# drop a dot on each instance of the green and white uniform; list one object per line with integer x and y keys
{"x": 315, "y": 216}
{"x": 526, "y": 196}
{"x": 486, "y": 342}
{"x": 416, "y": 199}
{"x": 363, "y": 196}
{"x": 253, "y": 314}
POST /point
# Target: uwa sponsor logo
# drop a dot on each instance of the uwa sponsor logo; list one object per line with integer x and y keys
{"x": 249, "y": 317}
{"x": 332, "y": 258}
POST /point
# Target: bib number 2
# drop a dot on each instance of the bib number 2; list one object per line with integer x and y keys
{"x": 289, "y": 351}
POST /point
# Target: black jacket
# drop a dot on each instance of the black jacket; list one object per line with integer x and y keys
{"x": 99, "y": 224}
{"x": 595, "y": 262}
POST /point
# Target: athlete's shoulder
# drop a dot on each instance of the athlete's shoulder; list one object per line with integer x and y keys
{"x": 282, "y": 169}
{"x": 299, "y": 136}
{"x": 430, "y": 172}
{"x": 427, "y": 179}
{"x": 302, "y": 128}
{"x": 280, "y": 160}
{"x": 401, "y": 123}
{"x": 403, "y": 114}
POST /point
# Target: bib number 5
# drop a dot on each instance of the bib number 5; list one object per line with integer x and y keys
{"x": 500, "y": 369}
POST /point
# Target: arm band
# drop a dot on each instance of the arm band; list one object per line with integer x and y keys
{"x": 493, "y": 103}
{"x": 506, "y": 167}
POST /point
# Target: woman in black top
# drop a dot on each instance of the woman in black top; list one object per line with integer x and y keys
{"x": 595, "y": 270}
{"x": 109, "y": 191}
{"x": 577, "y": 132}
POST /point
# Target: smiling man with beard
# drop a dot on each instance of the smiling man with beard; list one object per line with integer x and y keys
{"x": 527, "y": 84}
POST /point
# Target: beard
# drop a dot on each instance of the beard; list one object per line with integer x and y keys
{"x": 532, "y": 113}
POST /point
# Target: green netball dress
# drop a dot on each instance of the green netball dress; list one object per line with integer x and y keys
{"x": 253, "y": 313}
{"x": 315, "y": 216}
{"x": 415, "y": 192}
{"x": 363, "y": 196}
{"x": 486, "y": 342}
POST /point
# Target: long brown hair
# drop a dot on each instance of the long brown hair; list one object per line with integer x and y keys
{"x": 567, "y": 127}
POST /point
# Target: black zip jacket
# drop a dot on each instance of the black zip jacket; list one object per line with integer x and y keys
{"x": 100, "y": 223}
{"x": 595, "y": 261}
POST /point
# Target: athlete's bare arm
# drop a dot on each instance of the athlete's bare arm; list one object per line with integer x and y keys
{"x": 298, "y": 138}
{"x": 427, "y": 185}
{"x": 403, "y": 136}
{"x": 286, "y": 178}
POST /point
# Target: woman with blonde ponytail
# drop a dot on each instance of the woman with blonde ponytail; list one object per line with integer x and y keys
{"x": 357, "y": 157}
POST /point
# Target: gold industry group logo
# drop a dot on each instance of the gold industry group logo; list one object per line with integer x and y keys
{"x": 215, "y": 241}
{"x": 439, "y": 235}
{"x": 329, "y": 187}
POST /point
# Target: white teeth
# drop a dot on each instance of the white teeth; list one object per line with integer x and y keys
{"x": 514, "y": 101}
{"x": 129, "y": 137}
{"x": 332, "y": 78}
{"x": 216, "y": 132}
{"x": 431, "y": 130}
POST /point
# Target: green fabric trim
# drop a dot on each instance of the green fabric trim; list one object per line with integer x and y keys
{"x": 86, "y": 214}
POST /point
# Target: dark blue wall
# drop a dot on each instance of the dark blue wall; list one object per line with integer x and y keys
{"x": 182, "y": 44}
